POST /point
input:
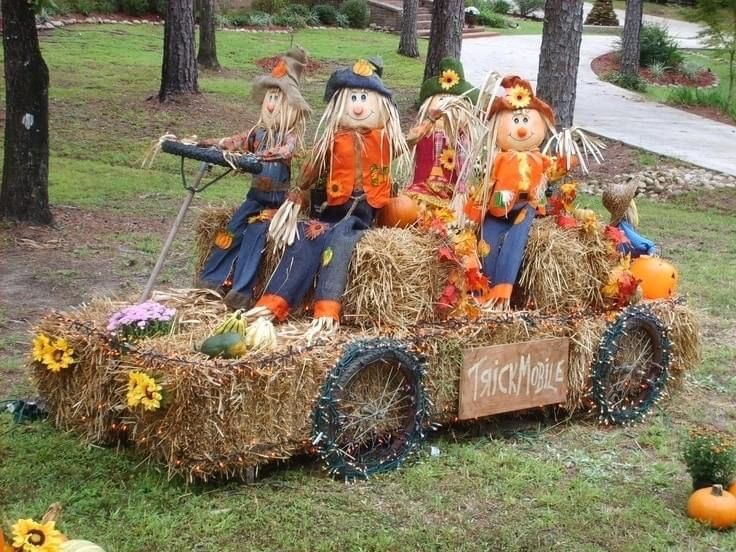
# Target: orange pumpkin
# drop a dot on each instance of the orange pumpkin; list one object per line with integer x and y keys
{"x": 223, "y": 239}
{"x": 400, "y": 211}
{"x": 732, "y": 487}
{"x": 658, "y": 277}
{"x": 713, "y": 506}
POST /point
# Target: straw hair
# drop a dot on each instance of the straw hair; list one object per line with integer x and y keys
{"x": 291, "y": 120}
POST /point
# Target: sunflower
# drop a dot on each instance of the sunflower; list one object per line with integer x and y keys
{"x": 29, "y": 536}
{"x": 58, "y": 355}
{"x": 143, "y": 390}
{"x": 41, "y": 344}
{"x": 335, "y": 188}
{"x": 448, "y": 79}
{"x": 362, "y": 68}
{"x": 519, "y": 97}
{"x": 447, "y": 159}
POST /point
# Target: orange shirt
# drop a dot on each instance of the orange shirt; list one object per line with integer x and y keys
{"x": 360, "y": 160}
{"x": 515, "y": 172}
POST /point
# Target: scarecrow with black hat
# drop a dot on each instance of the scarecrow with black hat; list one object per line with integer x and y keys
{"x": 358, "y": 138}
{"x": 275, "y": 138}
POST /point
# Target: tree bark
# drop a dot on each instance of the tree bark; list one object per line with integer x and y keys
{"x": 630, "y": 41}
{"x": 408, "y": 42}
{"x": 24, "y": 194}
{"x": 446, "y": 34}
{"x": 560, "y": 56}
{"x": 179, "y": 70}
{"x": 207, "y": 56}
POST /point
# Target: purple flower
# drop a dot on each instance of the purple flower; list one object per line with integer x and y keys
{"x": 141, "y": 319}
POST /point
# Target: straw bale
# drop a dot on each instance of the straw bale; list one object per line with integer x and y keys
{"x": 684, "y": 331}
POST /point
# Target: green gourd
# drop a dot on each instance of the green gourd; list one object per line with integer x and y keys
{"x": 225, "y": 345}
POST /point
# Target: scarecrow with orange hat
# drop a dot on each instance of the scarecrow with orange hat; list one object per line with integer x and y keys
{"x": 514, "y": 183}
{"x": 279, "y": 132}
{"x": 358, "y": 138}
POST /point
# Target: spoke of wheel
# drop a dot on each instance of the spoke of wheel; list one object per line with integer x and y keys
{"x": 632, "y": 366}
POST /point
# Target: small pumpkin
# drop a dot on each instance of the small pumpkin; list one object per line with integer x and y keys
{"x": 223, "y": 239}
{"x": 732, "y": 487}
{"x": 658, "y": 277}
{"x": 399, "y": 212}
{"x": 713, "y": 506}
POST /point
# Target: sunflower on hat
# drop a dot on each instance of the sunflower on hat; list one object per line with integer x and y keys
{"x": 451, "y": 80}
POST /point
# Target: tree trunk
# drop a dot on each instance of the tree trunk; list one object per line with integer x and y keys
{"x": 24, "y": 194}
{"x": 408, "y": 42}
{"x": 560, "y": 56}
{"x": 446, "y": 34}
{"x": 630, "y": 41}
{"x": 179, "y": 70}
{"x": 207, "y": 56}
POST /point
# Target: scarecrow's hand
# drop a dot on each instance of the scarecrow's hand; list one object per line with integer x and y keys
{"x": 208, "y": 143}
{"x": 283, "y": 229}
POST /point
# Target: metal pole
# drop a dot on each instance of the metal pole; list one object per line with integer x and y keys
{"x": 172, "y": 233}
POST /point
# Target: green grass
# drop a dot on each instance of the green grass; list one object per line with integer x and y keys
{"x": 670, "y": 11}
{"x": 511, "y": 484}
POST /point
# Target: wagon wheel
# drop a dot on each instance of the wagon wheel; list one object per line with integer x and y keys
{"x": 371, "y": 411}
{"x": 630, "y": 369}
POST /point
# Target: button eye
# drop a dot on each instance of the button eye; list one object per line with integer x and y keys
{"x": 526, "y": 120}
{"x": 516, "y": 120}
{"x": 363, "y": 97}
{"x": 354, "y": 98}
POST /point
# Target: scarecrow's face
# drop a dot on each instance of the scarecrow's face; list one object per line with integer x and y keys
{"x": 362, "y": 109}
{"x": 520, "y": 130}
{"x": 274, "y": 103}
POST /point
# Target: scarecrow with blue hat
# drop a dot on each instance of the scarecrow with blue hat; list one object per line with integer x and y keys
{"x": 358, "y": 138}
{"x": 237, "y": 250}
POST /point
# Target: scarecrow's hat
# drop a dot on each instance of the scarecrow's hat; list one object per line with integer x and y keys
{"x": 364, "y": 74}
{"x": 518, "y": 94}
{"x": 618, "y": 200}
{"x": 285, "y": 76}
{"x": 451, "y": 80}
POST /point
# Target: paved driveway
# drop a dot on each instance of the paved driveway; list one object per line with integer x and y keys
{"x": 611, "y": 111}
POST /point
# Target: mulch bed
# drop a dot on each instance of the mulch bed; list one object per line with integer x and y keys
{"x": 609, "y": 62}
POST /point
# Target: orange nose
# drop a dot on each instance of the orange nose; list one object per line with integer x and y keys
{"x": 358, "y": 109}
{"x": 521, "y": 132}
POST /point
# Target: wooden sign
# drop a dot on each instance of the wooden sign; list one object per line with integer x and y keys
{"x": 504, "y": 378}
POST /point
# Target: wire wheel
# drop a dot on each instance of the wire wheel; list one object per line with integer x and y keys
{"x": 630, "y": 369}
{"x": 371, "y": 412}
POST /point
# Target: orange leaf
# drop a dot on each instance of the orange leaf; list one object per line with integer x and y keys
{"x": 567, "y": 221}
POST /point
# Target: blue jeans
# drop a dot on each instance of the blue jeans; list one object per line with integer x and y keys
{"x": 242, "y": 258}
{"x": 303, "y": 261}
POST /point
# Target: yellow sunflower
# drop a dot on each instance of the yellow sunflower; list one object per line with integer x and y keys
{"x": 143, "y": 390}
{"x": 362, "y": 68}
{"x": 41, "y": 344}
{"x": 58, "y": 355}
{"x": 519, "y": 97}
{"x": 29, "y": 536}
{"x": 448, "y": 79}
{"x": 447, "y": 159}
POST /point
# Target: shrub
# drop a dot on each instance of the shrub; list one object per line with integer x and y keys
{"x": 297, "y": 9}
{"x": 342, "y": 20}
{"x": 269, "y": 6}
{"x": 239, "y": 20}
{"x": 489, "y": 18}
{"x": 500, "y": 6}
{"x": 657, "y": 46}
{"x": 690, "y": 69}
{"x": 285, "y": 19}
{"x": 634, "y": 82}
{"x": 357, "y": 13}
{"x": 526, "y": 7}
{"x": 260, "y": 19}
{"x": 134, "y": 7}
{"x": 159, "y": 7}
{"x": 658, "y": 69}
{"x": 326, "y": 14}
{"x": 710, "y": 457}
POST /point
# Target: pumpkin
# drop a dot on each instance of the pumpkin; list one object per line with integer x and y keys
{"x": 713, "y": 506}
{"x": 223, "y": 239}
{"x": 658, "y": 277}
{"x": 81, "y": 546}
{"x": 732, "y": 487}
{"x": 400, "y": 211}
{"x": 225, "y": 345}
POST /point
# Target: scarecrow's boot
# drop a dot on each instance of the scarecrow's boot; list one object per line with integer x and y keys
{"x": 235, "y": 300}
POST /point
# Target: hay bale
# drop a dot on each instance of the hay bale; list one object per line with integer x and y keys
{"x": 684, "y": 331}
{"x": 209, "y": 221}
{"x": 395, "y": 278}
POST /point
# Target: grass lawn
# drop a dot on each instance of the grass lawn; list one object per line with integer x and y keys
{"x": 670, "y": 11}
{"x": 511, "y": 484}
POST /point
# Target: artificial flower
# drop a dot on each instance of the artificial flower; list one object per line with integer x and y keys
{"x": 615, "y": 234}
{"x": 447, "y": 159}
{"x": 336, "y": 188}
{"x": 566, "y": 221}
{"x": 362, "y": 68}
{"x": 449, "y": 297}
{"x": 589, "y": 220}
{"x": 465, "y": 243}
{"x": 476, "y": 280}
{"x": 519, "y": 97}
{"x": 144, "y": 319}
{"x": 30, "y": 536}
{"x": 448, "y": 79}
{"x": 484, "y": 248}
{"x": 41, "y": 344}
{"x": 445, "y": 253}
{"x": 143, "y": 390}
{"x": 315, "y": 229}
{"x": 58, "y": 356}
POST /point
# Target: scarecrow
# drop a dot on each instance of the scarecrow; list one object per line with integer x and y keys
{"x": 515, "y": 182}
{"x": 357, "y": 140}
{"x": 618, "y": 199}
{"x": 442, "y": 141}
{"x": 279, "y": 132}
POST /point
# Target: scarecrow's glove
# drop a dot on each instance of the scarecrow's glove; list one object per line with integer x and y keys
{"x": 261, "y": 335}
{"x": 325, "y": 325}
{"x": 283, "y": 229}
{"x": 457, "y": 204}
